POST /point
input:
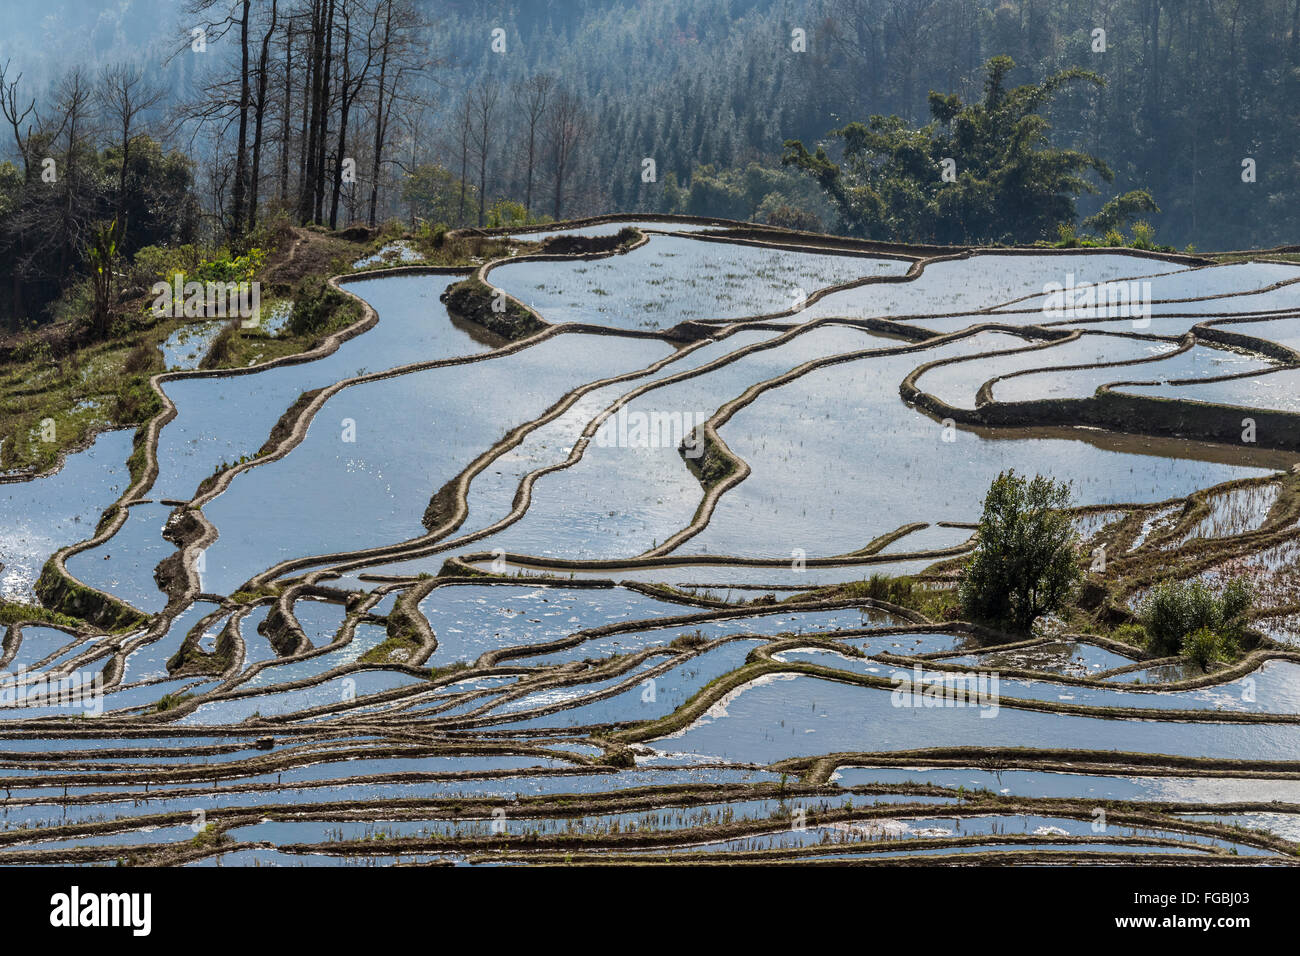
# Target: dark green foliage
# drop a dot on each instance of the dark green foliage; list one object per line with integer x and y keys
{"x": 1009, "y": 183}
{"x": 1205, "y": 648}
{"x": 1120, "y": 211}
{"x": 53, "y": 233}
{"x": 314, "y": 304}
{"x": 1025, "y": 565}
{"x": 758, "y": 192}
{"x": 1175, "y": 610}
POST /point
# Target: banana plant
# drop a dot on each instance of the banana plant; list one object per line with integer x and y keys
{"x": 102, "y": 253}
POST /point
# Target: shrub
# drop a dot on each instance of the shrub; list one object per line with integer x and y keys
{"x": 144, "y": 357}
{"x": 1204, "y": 647}
{"x": 134, "y": 401}
{"x": 1025, "y": 565}
{"x": 155, "y": 263}
{"x": 1131, "y": 633}
{"x": 226, "y": 269}
{"x": 689, "y": 641}
{"x": 1144, "y": 236}
{"x": 314, "y": 304}
{"x": 274, "y": 230}
{"x": 221, "y": 350}
{"x": 881, "y": 587}
{"x": 76, "y": 305}
{"x": 1177, "y": 609}
{"x": 506, "y": 212}
{"x": 171, "y": 702}
{"x": 788, "y": 217}
{"x": 432, "y": 235}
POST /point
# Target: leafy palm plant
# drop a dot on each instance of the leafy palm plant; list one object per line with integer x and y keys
{"x": 102, "y": 254}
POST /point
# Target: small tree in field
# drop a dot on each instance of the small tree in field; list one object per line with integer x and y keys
{"x": 1187, "y": 616}
{"x": 1025, "y": 565}
{"x": 105, "y": 241}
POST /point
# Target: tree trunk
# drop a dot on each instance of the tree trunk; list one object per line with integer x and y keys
{"x": 260, "y": 116}
{"x": 319, "y": 204}
{"x": 381, "y": 118}
{"x": 241, "y": 157}
{"x": 306, "y": 184}
{"x": 283, "y": 192}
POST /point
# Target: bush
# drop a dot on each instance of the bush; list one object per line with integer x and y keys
{"x": 221, "y": 350}
{"x": 1203, "y": 647}
{"x": 171, "y": 702}
{"x": 788, "y": 217}
{"x": 881, "y": 587}
{"x": 157, "y": 264}
{"x": 76, "y": 305}
{"x": 314, "y": 304}
{"x": 1131, "y": 633}
{"x": 1176, "y": 610}
{"x": 143, "y": 358}
{"x": 1066, "y": 238}
{"x": 1025, "y": 565}
{"x": 225, "y": 269}
{"x": 433, "y": 235}
{"x": 506, "y": 212}
{"x": 1144, "y": 236}
{"x": 689, "y": 641}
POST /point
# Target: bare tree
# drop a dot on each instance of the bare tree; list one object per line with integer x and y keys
{"x": 465, "y": 127}
{"x": 263, "y": 64}
{"x": 241, "y": 149}
{"x": 124, "y": 96}
{"x": 75, "y": 131}
{"x": 326, "y": 95}
{"x": 15, "y": 114}
{"x": 349, "y": 88}
{"x": 531, "y": 97}
{"x": 228, "y": 98}
{"x": 484, "y": 109}
{"x": 381, "y": 110}
{"x": 322, "y": 19}
{"x": 566, "y": 127}
{"x": 60, "y": 203}
{"x": 285, "y": 110}
{"x": 401, "y": 55}
{"x": 882, "y": 39}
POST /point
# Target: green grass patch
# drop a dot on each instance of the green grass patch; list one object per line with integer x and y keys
{"x": 13, "y": 612}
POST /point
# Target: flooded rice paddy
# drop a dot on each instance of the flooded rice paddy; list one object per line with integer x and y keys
{"x": 432, "y": 597}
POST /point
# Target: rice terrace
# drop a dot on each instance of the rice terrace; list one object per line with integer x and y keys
{"x": 507, "y": 641}
{"x": 344, "y": 531}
